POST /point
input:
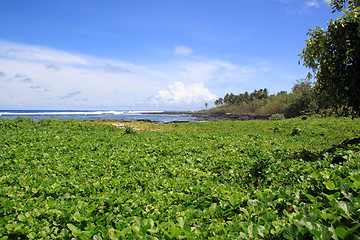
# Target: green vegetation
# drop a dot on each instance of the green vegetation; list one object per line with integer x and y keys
{"x": 334, "y": 57}
{"x": 302, "y": 100}
{"x": 277, "y": 116}
{"x": 206, "y": 180}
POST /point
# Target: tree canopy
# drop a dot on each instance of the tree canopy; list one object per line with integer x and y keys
{"x": 334, "y": 56}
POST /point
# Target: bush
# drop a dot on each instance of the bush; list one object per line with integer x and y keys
{"x": 272, "y": 108}
{"x": 129, "y": 130}
{"x": 277, "y": 116}
{"x": 302, "y": 100}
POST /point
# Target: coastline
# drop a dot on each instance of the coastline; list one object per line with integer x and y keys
{"x": 219, "y": 116}
{"x": 145, "y": 116}
{"x": 233, "y": 117}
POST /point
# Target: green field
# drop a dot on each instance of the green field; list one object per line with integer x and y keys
{"x": 205, "y": 180}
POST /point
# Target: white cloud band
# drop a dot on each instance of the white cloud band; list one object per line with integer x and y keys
{"x": 35, "y": 53}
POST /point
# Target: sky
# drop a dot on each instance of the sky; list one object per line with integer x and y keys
{"x": 149, "y": 54}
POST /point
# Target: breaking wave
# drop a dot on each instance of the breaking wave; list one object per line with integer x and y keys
{"x": 34, "y": 112}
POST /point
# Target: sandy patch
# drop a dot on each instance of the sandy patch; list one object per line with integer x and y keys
{"x": 123, "y": 125}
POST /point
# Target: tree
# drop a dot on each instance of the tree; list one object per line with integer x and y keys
{"x": 265, "y": 93}
{"x": 302, "y": 100}
{"x": 229, "y": 98}
{"x": 334, "y": 57}
{"x": 226, "y": 99}
{"x": 219, "y": 102}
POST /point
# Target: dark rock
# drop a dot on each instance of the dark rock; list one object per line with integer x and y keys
{"x": 144, "y": 120}
{"x": 177, "y": 122}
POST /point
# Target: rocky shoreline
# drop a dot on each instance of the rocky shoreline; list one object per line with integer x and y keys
{"x": 234, "y": 117}
{"x": 201, "y": 117}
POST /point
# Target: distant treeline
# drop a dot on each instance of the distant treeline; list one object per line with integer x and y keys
{"x": 303, "y": 99}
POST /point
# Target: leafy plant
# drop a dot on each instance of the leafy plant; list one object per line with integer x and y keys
{"x": 84, "y": 180}
{"x": 129, "y": 130}
{"x": 277, "y": 116}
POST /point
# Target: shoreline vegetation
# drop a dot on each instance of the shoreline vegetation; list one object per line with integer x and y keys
{"x": 295, "y": 178}
{"x": 304, "y": 99}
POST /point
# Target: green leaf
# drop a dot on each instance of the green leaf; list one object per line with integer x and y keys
{"x": 31, "y": 235}
{"x": 77, "y": 217}
{"x": 232, "y": 200}
{"x": 125, "y": 231}
{"x": 181, "y": 221}
{"x": 344, "y": 207}
{"x": 330, "y": 197}
{"x": 21, "y": 218}
{"x": 329, "y": 185}
{"x": 262, "y": 231}
{"x": 327, "y": 216}
{"x": 212, "y": 208}
{"x": 153, "y": 231}
{"x": 316, "y": 233}
{"x": 73, "y": 229}
{"x": 115, "y": 234}
{"x": 77, "y": 232}
{"x": 341, "y": 232}
{"x": 291, "y": 232}
{"x": 252, "y": 230}
{"x": 357, "y": 184}
{"x": 136, "y": 228}
{"x": 310, "y": 197}
{"x": 326, "y": 234}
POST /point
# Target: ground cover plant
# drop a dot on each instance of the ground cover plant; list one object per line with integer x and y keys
{"x": 205, "y": 180}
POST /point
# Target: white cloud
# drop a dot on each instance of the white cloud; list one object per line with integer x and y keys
{"x": 182, "y": 50}
{"x": 309, "y": 3}
{"x": 312, "y": 3}
{"x": 204, "y": 70}
{"x": 57, "y": 88}
{"x": 301, "y": 6}
{"x": 35, "y": 53}
{"x": 41, "y": 76}
{"x": 179, "y": 93}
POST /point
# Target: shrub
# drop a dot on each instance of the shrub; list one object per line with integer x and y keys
{"x": 272, "y": 108}
{"x": 129, "y": 130}
{"x": 277, "y": 116}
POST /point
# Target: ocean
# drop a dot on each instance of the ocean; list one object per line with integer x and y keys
{"x": 155, "y": 116}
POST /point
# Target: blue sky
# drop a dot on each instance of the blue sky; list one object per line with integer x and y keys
{"x": 154, "y": 55}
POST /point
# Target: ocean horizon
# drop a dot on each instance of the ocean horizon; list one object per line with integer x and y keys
{"x": 130, "y": 115}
